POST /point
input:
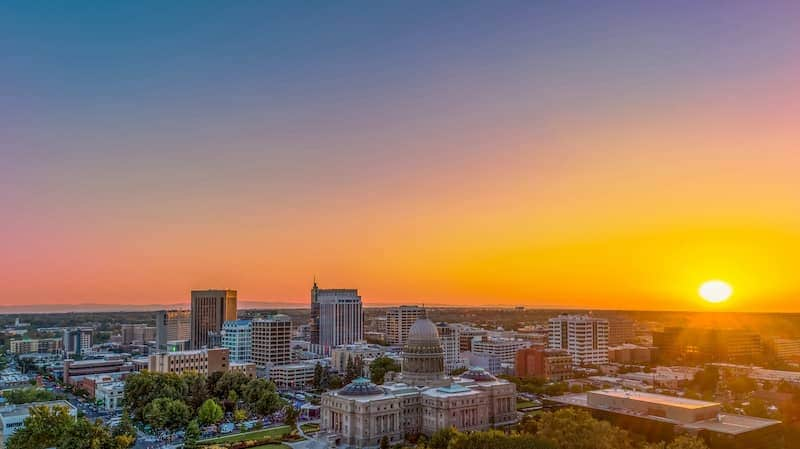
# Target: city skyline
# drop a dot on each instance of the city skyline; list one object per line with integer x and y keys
{"x": 445, "y": 154}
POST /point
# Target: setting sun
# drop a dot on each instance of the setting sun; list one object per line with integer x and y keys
{"x": 715, "y": 291}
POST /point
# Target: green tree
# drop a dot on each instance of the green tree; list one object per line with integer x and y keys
{"x": 239, "y": 415}
{"x": 290, "y": 415}
{"x": 335, "y": 382}
{"x": 125, "y": 426}
{"x": 192, "y": 435}
{"x": 319, "y": 374}
{"x": 230, "y": 381}
{"x": 380, "y": 366}
{"x": 166, "y": 413}
{"x": 495, "y": 439}
{"x": 441, "y": 438}
{"x": 681, "y": 442}
{"x": 197, "y": 391}
{"x": 261, "y": 397}
{"x": 576, "y": 429}
{"x": 86, "y": 435}
{"x": 385, "y": 442}
{"x": 43, "y": 428}
{"x": 209, "y": 413}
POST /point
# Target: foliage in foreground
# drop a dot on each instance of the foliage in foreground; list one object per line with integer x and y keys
{"x": 55, "y": 427}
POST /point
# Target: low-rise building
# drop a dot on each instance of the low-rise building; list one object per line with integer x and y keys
{"x": 248, "y": 368}
{"x": 629, "y": 353}
{"x": 203, "y": 361}
{"x": 294, "y": 375}
{"x": 12, "y": 417}
{"x": 110, "y": 395}
{"x": 42, "y": 345}
{"x": 341, "y": 354}
{"x": 662, "y": 417}
{"x": 79, "y": 368}
{"x": 539, "y": 361}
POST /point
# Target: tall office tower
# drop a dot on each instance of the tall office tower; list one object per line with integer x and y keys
{"x": 78, "y": 340}
{"x": 583, "y": 336}
{"x": 172, "y": 325}
{"x": 210, "y": 308}
{"x": 620, "y": 331}
{"x": 450, "y": 346}
{"x": 398, "y": 322}
{"x": 313, "y": 325}
{"x": 237, "y": 337}
{"x": 271, "y": 341}
{"x": 695, "y": 345}
{"x": 341, "y": 318}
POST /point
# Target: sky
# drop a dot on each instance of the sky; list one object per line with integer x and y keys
{"x": 547, "y": 154}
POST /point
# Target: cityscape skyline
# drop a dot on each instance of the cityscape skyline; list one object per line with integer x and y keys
{"x": 451, "y": 153}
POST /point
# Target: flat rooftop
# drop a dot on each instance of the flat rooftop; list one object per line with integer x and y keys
{"x": 653, "y": 398}
{"x": 12, "y": 411}
{"x": 723, "y": 423}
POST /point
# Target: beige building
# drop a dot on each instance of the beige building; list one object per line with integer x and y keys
{"x": 271, "y": 341}
{"x": 172, "y": 325}
{"x": 210, "y": 308}
{"x": 48, "y": 345}
{"x": 204, "y": 361}
{"x": 295, "y": 375}
{"x": 399, "y": 321}
{"x": 420, "y": 400}
{"x": 365, "y": 351}
{"x": 248, "y": 368}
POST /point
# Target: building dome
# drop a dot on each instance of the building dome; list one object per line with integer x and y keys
{"x": 423, "y": 332}
{"x": 478, "y": 374}
{"x": 360, "y": 387}
{"x": 423, "y": 357}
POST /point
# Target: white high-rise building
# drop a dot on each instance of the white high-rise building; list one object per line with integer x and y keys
{"x": 449, "y": 337}
{"x": 583, "y": 336}
{"x": 237, "y": 337}
{"x": 341, "y": 318}
{"x": 271, "y": 341}
{"x": 398, "y": 322}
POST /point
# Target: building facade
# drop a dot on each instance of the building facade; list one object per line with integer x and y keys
{"x": 583, "y": 336}
{"x": 271, "y": 340}
{"x": 238, "y": 338}
{"x": 210, "y": 308}
{"x": 697, "y": 345}
{"x": 538, "y": 361}
{"x": 42, "y": 345}
{"x": 173, "y": 325}
{"x": 341, "y": 354}
{"x": 78, "y": 340}
{"x": 620, "y": 331}
{"x": 421, "y": 400}
{"x": 399, "y": 321}
{"x": 293, "y": 375}
{"x": 451, "y": 346}
{"x": 203, "y": 361}
{"x": 337, "y": 318}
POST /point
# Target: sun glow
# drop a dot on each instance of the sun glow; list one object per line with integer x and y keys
{"x": 715, "y": 291}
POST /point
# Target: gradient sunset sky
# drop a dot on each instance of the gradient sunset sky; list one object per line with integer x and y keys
{"x": 571, "y": 154}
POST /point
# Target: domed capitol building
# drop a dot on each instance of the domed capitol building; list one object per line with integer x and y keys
{"x": 420, "y": 400}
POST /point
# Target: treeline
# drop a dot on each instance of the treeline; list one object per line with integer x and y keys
{"x": 170, "y": 401}
{"x": 31, "y": 394}
{"x": 564, "y": 429}
{"x": 55, "y": 427}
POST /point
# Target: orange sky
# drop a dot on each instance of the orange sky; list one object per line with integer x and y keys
{"x": 593, "y": 161}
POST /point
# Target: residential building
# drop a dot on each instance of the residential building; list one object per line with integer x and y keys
{"x": 583, "y": 336}
{"x": 341, "y": 354}
{"x": 696, "y": 345}
{"x": 42, "y": 345}
{"x": 294, "y": 375}
{"x": 137, "y": 334}
{"x": 12, "y": 417}
{"x": 786, "y": 349}
{"x": 504, "y": 349}
{"x": 271, "y": 340}
{"x": 620, "y": 331}
{"x": 451, "y": 346}
{"x": 337, "y": 318}
{"x": 78, "y": 340}
{"x": 398, "y": 322}
{"x": 237, "y": 337}
{"x": 210, "y": 308}
{"x": 172, "y": 325}
{"x": 203, "y": 361}
{"x": 629, "y": 353}
{"x": 660, "y": 417}
{"x": 540, "y": 361}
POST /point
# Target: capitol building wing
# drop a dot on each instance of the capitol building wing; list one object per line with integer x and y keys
{"x": 420, "y": 400}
